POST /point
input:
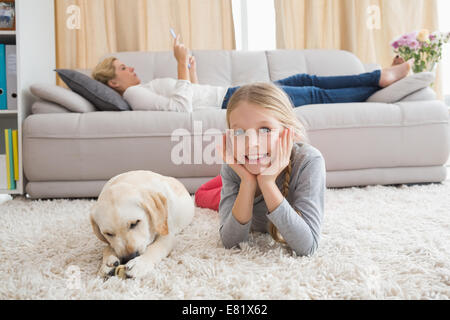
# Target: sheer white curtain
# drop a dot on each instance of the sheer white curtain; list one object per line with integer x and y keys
{"x": 254, "y": 23}
{"x": 444, "y": 26}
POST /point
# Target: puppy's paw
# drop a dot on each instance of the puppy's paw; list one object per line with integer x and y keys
{"x": 108, "y": 267}
{"x": 138, "y": 268}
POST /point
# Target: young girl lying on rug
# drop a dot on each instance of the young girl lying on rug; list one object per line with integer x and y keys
{"x": 266, "y": 151}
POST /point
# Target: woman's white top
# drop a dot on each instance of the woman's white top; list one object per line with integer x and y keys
{"x": 168, "y": 94}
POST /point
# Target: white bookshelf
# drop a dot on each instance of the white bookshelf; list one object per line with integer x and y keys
{"x": 9, "y": 112}
{"x": 10, "y": 33}
{"x": 34, "y": 38}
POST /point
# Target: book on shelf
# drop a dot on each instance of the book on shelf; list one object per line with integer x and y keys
{"x": 3, "y": 179}
{"x": 8, "y": 77}
{"x": 3, "y": 93}
{"x": 15, "y": 145}
{"x": 11, "y": 76}
{"x": 11, "y": 159}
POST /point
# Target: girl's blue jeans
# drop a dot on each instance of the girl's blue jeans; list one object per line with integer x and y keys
{"x": 306, "y": 89}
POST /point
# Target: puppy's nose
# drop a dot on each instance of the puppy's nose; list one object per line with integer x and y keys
{"x": 130, "y": 257}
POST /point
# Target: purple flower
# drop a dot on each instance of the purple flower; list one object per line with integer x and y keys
{"x": 414, "y": 44}
{"x": 412, "y": 35}
{"x": 395, "y": 44}
{"x": 402, "y": 41}
{"x": 407, "y": 40}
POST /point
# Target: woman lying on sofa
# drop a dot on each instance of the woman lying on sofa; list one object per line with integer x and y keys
{"x": 184, "y": 94}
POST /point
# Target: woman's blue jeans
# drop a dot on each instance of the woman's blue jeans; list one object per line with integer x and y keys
{"x": 306, "y": 89}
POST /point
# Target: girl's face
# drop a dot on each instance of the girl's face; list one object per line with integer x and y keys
{"x": 254, "y": 132}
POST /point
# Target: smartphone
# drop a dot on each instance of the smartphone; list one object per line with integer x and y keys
{"x": 174, "y": 35}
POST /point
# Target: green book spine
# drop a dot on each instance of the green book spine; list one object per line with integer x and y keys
{"x": 11, "y": 160}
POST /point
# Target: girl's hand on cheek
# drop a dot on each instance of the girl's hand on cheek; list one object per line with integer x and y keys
{"x": 228, "y": 158}
{"x": 280, "y": 158}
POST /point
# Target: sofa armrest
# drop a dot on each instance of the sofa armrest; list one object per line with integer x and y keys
{"x": 424, "y": 94}
{"x": 44, "y": 107}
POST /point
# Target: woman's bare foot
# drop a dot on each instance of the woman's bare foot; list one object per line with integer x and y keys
{"x": 395, "y": 73}
{"x": 398, "y": 60}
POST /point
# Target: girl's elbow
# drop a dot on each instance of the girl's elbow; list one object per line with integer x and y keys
{"x": 226, "y": 241}
{"x": 307, "y": 251}
{"x": 228, "y": 244}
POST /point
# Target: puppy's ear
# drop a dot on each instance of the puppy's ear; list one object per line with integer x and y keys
{"x": 97, "y": 229}
{"x": 155, "y": 204}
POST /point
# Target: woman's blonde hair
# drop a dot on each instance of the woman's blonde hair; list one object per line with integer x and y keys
{"x": 278, "y": 103}
{"x": 105, "y": 70}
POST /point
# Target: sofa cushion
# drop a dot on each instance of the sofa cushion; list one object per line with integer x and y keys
{"x": 249, "y": 67}
{"x": 402, "y": 88}
{"x": 103, "y": 144}
{"x": 378, "y": 135}
{"x": 101, "y": 96}
{"x": 214, "y": 69}
{"x": 44, "y": 107}
{"x": 285, "y": 63}
{"x": 62, "y": 96}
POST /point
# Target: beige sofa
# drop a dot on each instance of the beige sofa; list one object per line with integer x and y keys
{"x": 72, "y": 155}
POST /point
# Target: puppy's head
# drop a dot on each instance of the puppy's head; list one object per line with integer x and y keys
{"x": 129, "y": 219}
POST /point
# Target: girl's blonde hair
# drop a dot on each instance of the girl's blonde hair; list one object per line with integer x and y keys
{"x": 278, "y": 103}
{"x": 105, "y": 70}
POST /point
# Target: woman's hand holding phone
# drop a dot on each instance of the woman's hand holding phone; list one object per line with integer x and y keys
{"x": 193, "y": 69}
{"x": 180, "y": 52}
{"x": 177, "y": 41}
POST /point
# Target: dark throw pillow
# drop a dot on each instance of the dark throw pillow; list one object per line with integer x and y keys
{"x": 101, "y": 96}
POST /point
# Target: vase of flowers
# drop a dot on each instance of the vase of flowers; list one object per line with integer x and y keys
{"x": 424, "y": 47}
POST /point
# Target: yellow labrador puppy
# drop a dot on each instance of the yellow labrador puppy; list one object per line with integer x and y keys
{"x": 138, "y": 214}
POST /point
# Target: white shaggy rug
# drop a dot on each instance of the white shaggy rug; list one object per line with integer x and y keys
{"x": 377, "y": 243}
